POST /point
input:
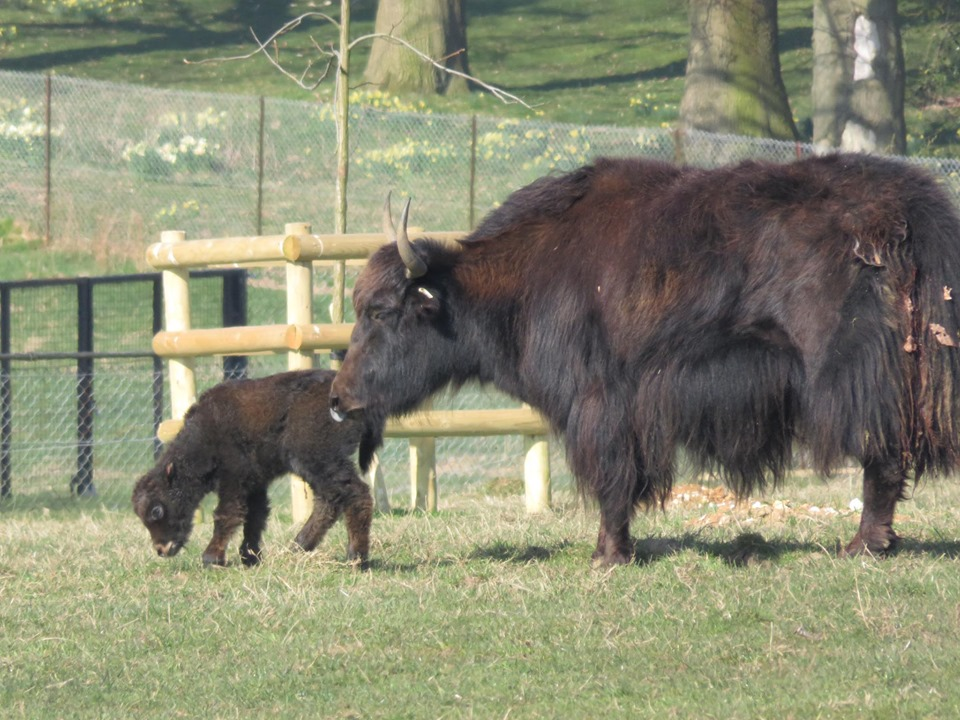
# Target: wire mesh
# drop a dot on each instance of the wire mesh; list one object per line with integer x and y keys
{"x": 124, "y": 163}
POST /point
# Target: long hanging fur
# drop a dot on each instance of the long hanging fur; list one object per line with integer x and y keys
{"x": 647, "y": 309}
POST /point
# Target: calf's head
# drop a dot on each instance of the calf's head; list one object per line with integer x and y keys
{"x": 404, "y": 344}
{"x": 166, "y": 506}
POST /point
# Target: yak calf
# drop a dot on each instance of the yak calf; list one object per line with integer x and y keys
{"x": 240, "y": 436}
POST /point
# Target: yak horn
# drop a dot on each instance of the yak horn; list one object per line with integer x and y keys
{"x": 416, "y": 267}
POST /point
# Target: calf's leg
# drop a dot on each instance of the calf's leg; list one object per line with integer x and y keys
{"x": 258, "y": 509}
{"x": 324, "y": 515}
{"x": 883, "y": 487}
{"x": 229, "y": 514}
{"x": 358, "y": 514}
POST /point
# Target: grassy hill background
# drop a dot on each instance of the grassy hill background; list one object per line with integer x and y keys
{"x": 619, "y": 62}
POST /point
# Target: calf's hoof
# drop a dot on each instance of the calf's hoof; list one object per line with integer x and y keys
{"x": 306, "y": 541}
{"x": 214, "y": 560}
{"x": 357, "y": 559}
{"x": 250, "y": 556}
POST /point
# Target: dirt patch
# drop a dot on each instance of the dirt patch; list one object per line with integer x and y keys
{"x": 721, "y": 507}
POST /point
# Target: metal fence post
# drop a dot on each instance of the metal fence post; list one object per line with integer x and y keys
{"x": 471, "y": 212}
{"x": 82, "y": 482}
{"x": 47, "y": 160}
{"x": 157, "y": 366}
{"x": 260, "y": 131}
{"x": 234, "y": 315}
{"x": 6, "y": 396}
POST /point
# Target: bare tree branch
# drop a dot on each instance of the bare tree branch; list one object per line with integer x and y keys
{"x": 300, "y": 81}
{"x": 501, "y": 95}
{"x": 333, "y": 55}
{"x": 262, "y": 47}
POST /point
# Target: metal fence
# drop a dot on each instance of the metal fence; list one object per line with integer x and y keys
{"x": 103, "y": 168}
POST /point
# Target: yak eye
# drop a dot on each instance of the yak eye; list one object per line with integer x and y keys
{"x": 379, "y": 314}
{"x": 156, "y": 513}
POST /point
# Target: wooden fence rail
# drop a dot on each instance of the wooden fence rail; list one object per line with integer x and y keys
{"x": 297, "y": 249}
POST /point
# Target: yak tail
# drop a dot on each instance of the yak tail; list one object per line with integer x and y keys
{"x": 934, "y": 418}
{"x": 370, "y": 441}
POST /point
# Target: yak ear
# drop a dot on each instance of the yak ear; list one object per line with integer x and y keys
{"x": 428, "y": 303}
{"x": 168, "y": 471}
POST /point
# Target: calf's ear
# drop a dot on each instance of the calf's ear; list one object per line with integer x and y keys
{"x": 428, "y": 304}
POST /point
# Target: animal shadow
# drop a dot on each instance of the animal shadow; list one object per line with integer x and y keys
{"x": 744, "y": 550}
{"x": 509, "y": 552}
{"x": 936, "y": 548}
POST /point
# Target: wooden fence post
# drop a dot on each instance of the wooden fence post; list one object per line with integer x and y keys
{"x": 298, "y": 249}
{"x": 536, "y": 473}
{"x": 423, "y": 474}
{"x": 176, "y": 312}
{"x": 299, "y": 312}
{"x": 423, "y": 462}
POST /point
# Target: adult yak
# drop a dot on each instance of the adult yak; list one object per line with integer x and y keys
{"x": 645, "y": 308}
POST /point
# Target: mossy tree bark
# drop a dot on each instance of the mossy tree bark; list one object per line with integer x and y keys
{"x": 437, "y": 28}
{"x": 733, "y": 83}
{"x": 858, "y": 76}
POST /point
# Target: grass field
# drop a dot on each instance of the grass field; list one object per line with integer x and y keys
{"x": 619, "y": 63}
{"x": 481, "y": 611}
{"x": 622, "y": 65}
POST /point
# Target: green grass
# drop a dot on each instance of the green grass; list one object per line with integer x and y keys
{"x": 483, "y": 611}
{"x": 573, "y": 62}
{"x": 478, "y": 610}
{"x": 619, "y": 66}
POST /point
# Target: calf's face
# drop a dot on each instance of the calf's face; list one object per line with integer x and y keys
{"x": 169, "y": 525}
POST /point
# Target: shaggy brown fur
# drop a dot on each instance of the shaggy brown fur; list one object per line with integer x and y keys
{"x": 646, "y": 308}
{"x": 240, "y": 436}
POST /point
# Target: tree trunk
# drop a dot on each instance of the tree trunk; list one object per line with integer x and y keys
{"x": 733, "y": 83}
{"x": 858, "y": 76}
{"x": 437, "y": 28}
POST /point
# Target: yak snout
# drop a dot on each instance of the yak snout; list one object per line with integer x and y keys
{"x": 341, "y": 402}
{"x": 335, "y": 412}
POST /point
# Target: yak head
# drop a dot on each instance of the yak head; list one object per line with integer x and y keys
{"x": 407, "y": 342}
{"x": 166, "y": 498}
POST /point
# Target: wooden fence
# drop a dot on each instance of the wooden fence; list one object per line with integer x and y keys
{"x": 297, "y": 249}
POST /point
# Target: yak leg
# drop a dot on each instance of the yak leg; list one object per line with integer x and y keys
{"x": 883, "y": 485}
{"x": 258, "y": 509}
{"x": 600, "y": 450}
{"x": 613, "y": 541}
{"x": 227, "y": 517}
{"x": 358, "y": 514}
{"x": 322, "y": 518}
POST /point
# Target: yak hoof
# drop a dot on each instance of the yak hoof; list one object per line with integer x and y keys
{"x": 602, "y": 559}
{"x": 878, "y": 544}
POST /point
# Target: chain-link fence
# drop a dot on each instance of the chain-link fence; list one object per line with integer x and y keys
{"x": 104, "y": 168}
